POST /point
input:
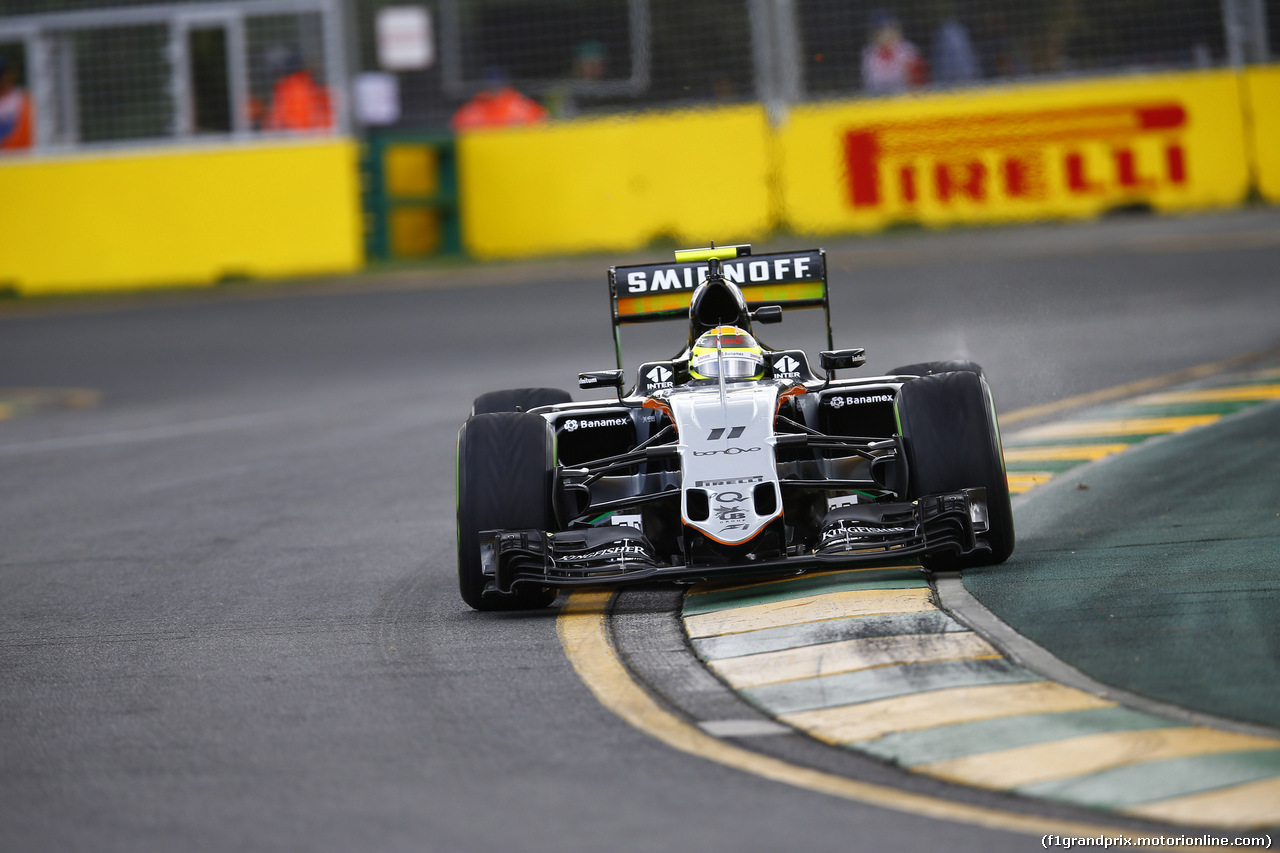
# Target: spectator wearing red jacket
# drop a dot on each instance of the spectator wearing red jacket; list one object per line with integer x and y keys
{"x": 15, "y": 111}
{"x": 497, "y": 105}
{"x": 298, "y": 102}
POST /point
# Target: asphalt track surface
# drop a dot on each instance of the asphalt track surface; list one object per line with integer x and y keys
{"x": 228, "y": 610}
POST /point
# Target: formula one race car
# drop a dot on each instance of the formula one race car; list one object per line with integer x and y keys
{"x": 730, "y": 459}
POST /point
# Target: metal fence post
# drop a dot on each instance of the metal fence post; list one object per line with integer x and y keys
{"x": 1244, "y": 24}
{"x": 238, "y": 77}
{"x": 775, "y": 52}
{"x": 335, "y": 49}
{"x": 184, "y": 117}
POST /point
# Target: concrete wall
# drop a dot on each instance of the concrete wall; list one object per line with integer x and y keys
{"x": 166, "y": 217}
{"x": 1262, "y": 93}
{"x": 1176, "y": 142}
{"x": 616, "y": 183}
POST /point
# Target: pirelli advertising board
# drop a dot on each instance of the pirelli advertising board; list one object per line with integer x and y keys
{"x": 1262, "y": 84}
{"x": 616, "y": 183}
{"x": 1171, "y": 141}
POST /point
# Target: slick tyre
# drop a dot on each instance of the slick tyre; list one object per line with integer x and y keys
{"x": 953, "y": 442}
{"x": 506, "y": 461}
{"x": 518, "y": 400}
{"x": 930, "y": 368}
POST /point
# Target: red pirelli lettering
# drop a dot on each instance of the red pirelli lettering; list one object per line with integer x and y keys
{"x": 972, "y": 158}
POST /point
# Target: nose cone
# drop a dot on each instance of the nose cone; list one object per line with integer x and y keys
{"x": 726, "y": 456}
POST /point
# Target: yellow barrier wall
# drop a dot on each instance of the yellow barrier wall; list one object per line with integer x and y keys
{"x": 179, "y": 217}
{"x": 195, "y": 216}
{"x": 1262, "y": 86}
{"x": 1174, "y": 141}
{"x": 1075, "y": 149}
{"x": 616, "y": 184}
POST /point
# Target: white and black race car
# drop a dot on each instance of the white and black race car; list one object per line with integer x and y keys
{"x": 699, "y": 471}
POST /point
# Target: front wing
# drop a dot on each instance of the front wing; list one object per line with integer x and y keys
{"x": 949, "y": 523}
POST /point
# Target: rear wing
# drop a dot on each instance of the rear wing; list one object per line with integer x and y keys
{"x": 646, "y": 293}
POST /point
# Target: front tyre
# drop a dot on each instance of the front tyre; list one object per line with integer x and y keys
{"x": 952, "y": 439}
{"x": 518, "y": 400}
{"x": 506, "y": 462}
{"x": 931, "y": 368}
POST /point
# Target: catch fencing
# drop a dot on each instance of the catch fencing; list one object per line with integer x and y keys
{"x": 819, "y": 116}
{"x": 578, "y": 57}
{"x": 103, "y": 71}
{"x": 181, "y": 73}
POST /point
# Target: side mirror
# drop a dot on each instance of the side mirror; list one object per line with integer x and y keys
{"x": 680, "y": 367}
{"x": 839, "y": 359}
{"x": 767, "y": 314}
{"x": 600, "y": 379}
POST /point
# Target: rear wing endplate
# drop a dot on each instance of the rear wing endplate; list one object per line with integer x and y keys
{"x": 646, "y": 293}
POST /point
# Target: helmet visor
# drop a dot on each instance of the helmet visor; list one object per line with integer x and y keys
{"x": 738, "y": 364}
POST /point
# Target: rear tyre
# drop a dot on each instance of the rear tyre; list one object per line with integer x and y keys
{"x": 506, "y": 462}
{"x": 930, "y": 368}
{"x": 953, "y": 442}
{"x": 518, "y": 399}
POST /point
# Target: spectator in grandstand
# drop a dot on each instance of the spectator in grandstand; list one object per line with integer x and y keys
{"x": 890, "y": 63}
{"x": 590, "y": 61}
{"x": 15, "y": 111}
{"x": 952, "y": 59}
{"x": 298, "y": 102}
{"x": 998, "y": 53}
{"x": 498, "y": 104}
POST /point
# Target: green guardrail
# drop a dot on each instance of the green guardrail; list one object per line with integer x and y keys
{"x": 410, "y": 196}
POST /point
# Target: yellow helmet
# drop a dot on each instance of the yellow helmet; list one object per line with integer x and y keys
{"x": 730, "y": 347}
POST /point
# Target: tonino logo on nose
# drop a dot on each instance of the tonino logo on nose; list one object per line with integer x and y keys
{"x": 719, "y": 433}
{"x": 574, "y": 424}
{"x": 659, "y": 376}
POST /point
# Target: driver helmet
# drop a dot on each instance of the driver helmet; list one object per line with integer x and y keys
{"x": 728, "y": 345}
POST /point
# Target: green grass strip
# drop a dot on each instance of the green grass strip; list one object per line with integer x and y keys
{"x": 1160, "y": 780}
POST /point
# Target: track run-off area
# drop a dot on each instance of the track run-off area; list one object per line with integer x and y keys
{"x": 229, "y": 616}
{"x": 873, "y": 659}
